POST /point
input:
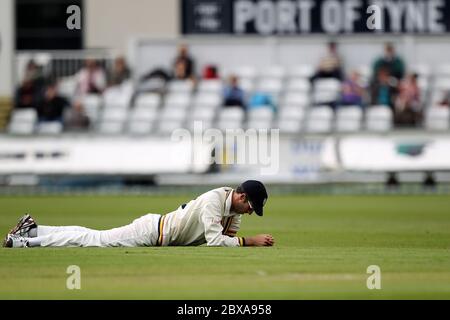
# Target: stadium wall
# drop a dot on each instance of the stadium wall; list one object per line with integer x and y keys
{"x": 110, "y": 23}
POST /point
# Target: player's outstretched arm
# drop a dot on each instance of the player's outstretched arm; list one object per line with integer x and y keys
{"x": 260, "y": 240}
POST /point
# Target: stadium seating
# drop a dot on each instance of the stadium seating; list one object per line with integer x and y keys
{"x": 291, "y": 119}
{"x": 112, "y": 120}
{"x": 23, "y": 122}
{"x": 320, "y": 120}
{"x": 301, "y": 71}
{"x": 148, "y": 100}
{"x": 49, "y": 128}
{"x": 260, "y": 118}
{"x": 379, "y": 119}
{"x": 171, "y": 118}
{"x": 142, "y": 120}
{"x": 92, "y": 104}
{"x": 296, "y": 98}
{"x": 231, "y": 118}
{"x": 203, "y": 115}
{"x": 210, "y": 86}
{"x": 326, "y": 91}
{"x": 349, "y": 119}
{"x": 302, "y": 106}
{"x": 208, "y": 100}
{"x": 298, "y": 85}
{"x": 437, "y": 118}
{"x": 276, "y": 72}
{"x": 181, "y": 86}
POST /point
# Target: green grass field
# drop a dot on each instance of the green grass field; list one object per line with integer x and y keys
{"x": 323, "y": 248}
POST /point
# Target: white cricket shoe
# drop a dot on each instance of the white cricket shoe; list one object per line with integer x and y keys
{"x": 13, "y": 241}
{"x": 23, "y": 227}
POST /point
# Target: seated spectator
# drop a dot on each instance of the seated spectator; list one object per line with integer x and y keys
{"x": 183, "y": 66}
{"x": 119, "y": 73}
{"x": 330, "y": 65}
{"x": 261, "y": 99}
{"x": 352, "y": 91}
{"x": 233, "y": 95}
{"x": 210, "y": 73}
{"x": 391, "y": 62}
{"x": 90, "y": 79}
{"x": 154, "y": 81}
{"x": 75, "y": 118}
{"x": 27, "y": 95}
{"x": 52, "y": 106}
{"x": 383, "y": 89}
{"x": 408, "y": 110}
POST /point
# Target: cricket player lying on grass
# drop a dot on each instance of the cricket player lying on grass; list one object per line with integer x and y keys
{"x": 213, "y": 218}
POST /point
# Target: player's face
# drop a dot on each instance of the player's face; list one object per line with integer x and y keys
{"x": 242, "y": 205}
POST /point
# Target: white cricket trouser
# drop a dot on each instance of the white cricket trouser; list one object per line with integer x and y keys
{"x": 141, "y": 232}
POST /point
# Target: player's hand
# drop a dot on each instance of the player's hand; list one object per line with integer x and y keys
{"x": 261, "y": 240}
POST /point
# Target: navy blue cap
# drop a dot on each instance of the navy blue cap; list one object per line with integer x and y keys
{"x": 257, "y": 195}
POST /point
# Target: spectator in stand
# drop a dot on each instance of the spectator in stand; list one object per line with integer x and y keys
{"x": 233, "y": 95}
{"x": 119, "y": 73}
{"x": 90, "y": 79}
{"x": 210, "y": 72}
{"x": 76, "y": 118}
{"x": 261, "y": 99}
{"x": 27, "y": 95}
{"x": 408, "y": 109}
{"x": 183, "y": 66}
{"x": 352, "y": 91}
{"x": 390, "y": 61}
{"x": 383, "y": 89}
{"x": 51, "y": 107}
{"x": 330, "y": 65}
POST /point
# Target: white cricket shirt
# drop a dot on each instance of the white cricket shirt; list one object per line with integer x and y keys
{"x": 206, "y": 219}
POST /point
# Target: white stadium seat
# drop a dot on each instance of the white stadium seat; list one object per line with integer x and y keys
{"x": 182, "y": 100}
{"x": 50, "y": 128}
{"x": 203, "y": 115}
{"x": 111, "y": 127}
{"x": 442, "y": 70}
{"x": 141, "y": 113}
{"x": 231, "y": 118}
{"x": 296, "y": 99}
{"x": 260, "y": 118}
{"x": 291, "y": 119}
{"x": 299, "y": 85}
{"x": 210, "y": 86}
{"x": 245, "y": 72}
{"x": 141, "y": 120}
{"x": 437, "y": 118}
{"x": 92, "y": 104}
{"x": 67, "y": 87}
{"x": 181, "y": 86}
{"x": 379, "y": 118}
{"x": 273, "y": 72}
{"x": 269, "y": 85}
{"x": 320, "y": 120}
{"x": 326, "y": 91}
{"x": 23, "y": 122}
{"x": 246, "y": 84}
{"x": 349, "y": 119}
{"x": 140, "y": 127}
{"x": 211, "y": 100}
{"x": 115, "y": 97}
{"x": 301, "y": 71}
{"x": 149, "y": 100}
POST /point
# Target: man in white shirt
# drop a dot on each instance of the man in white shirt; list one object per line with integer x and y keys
{"x": 213, "y": 218}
